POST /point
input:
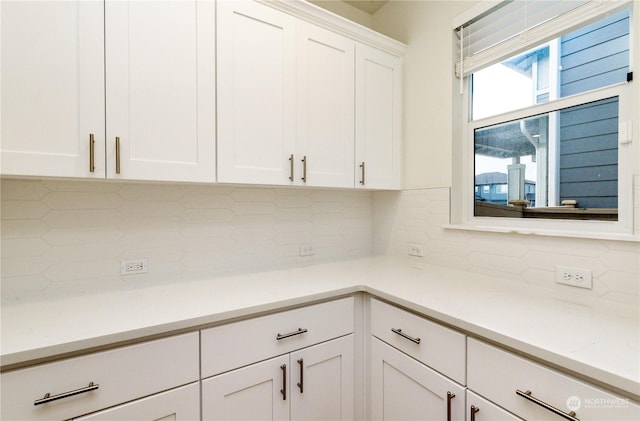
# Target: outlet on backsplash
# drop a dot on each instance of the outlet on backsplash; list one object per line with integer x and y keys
{"x": 416, "y": 249}
{"x": 132, "y": 267}
{"x": 577, "y": 277}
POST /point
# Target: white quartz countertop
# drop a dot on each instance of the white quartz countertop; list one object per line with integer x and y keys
{"x": 593, "y": 340}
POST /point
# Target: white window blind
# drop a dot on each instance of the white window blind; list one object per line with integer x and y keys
{"x": 514, "y": 26}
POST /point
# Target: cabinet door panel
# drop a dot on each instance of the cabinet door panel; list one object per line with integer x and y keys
{"x": 378, "y": 118}
{"x": 249, "y": 393}
{"x": 323, "y": 389}
{"x": 487, "y": 411}
{"x": 325, "y": 106}
{"x": 404, "y": 389}
{"x": 52, "y": 87}
{"x": 160, "y": 89}
{"x": 181, "y": 404}
{"x": 256, "y": 93}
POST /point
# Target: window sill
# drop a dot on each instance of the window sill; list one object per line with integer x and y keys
{"x": 547, "y": 233}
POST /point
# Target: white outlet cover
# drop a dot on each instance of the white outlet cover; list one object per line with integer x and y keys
{"x": 576, "y": 277}
{"x": 415, "y": 249}
{"x": 134, "y": 266}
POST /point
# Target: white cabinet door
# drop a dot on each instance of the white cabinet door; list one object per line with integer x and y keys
{"x": 256, "y": 94}
{"x": 378, "y": 119}
{"x": 160, "y": 84}
{"x": 52, "y": 84}
{"x": 480, "y": 409}
{"x": 316, "y": 383}
{"x": 181, "y": 404}
{"x": 322, "y": 381}
{"x": 257, "y": 392}
{"x": 325, "y": 107}
{"x": 404, "y": 389}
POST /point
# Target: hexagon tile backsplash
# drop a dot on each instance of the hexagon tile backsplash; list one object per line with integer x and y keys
{"x": 64, "y": 237}
{"x": 68, "y": 237}
{"x": 418, "y": 216}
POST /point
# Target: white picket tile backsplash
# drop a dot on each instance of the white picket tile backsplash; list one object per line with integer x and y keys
{"x": 65, "y": 236}
{"x": 418, "y": 216}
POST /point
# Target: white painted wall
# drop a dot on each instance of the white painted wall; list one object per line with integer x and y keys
{"x": 347, "y": 11}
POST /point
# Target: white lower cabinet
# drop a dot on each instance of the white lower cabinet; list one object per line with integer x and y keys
{"x": 535, "y": 392}
{"x": 405, "y": 389}
{"x": 315, "y": 383}
{"x": 181, "y": 404}
{"x": 83, "y": 385}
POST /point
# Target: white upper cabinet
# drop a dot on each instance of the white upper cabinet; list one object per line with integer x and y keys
{"x": 378, "y": 119}
{"x": 325, "y": 106}
{"x": 52, "y": 88}
{"x": 299, "y": 104}
{"x": 160, "y": 70}
{"x": 159, "y": 81}
{"x": 256, "y": 93}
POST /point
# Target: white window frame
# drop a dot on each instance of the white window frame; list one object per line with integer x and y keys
{"x": 463, "y": 201}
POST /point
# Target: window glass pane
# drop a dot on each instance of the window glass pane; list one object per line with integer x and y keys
{"x": 591, "y": 57}
{"x": 565, "y": 159}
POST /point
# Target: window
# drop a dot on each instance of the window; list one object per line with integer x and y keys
{"x": 548, "y": 94}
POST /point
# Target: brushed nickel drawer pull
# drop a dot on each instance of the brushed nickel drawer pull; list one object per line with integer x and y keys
{"x": 117, "y": 155}
{"x": 304, "y": 169}
{"x": 404, "y": 335}
{"x": 284, "y": 382}
{"x": 474, "y": 409}
{"x": 301, "y": 384}
{"x": 290, "y": 334}
{"x": 92, "y": 153}
{"x": 528, "y": 396}
{"x": 49, "y": 398}
{"x": 362, "y": 173}
{"x": 291, "y": 167}
{"x": 449, "y": 397}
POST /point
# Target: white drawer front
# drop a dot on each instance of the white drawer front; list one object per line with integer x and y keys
{"x": 497, "y": 374}
{"x": 237, "y": 344}
{"x": 441, "y": 348}
{"x": 122, "y": 374}
{"x": 181, "y": 404}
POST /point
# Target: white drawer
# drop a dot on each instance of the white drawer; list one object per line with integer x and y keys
{"x": 121, "y": 374}
{"x": 181, "y": 404}
{"x": 497, "y": 374}
{"x": 440, "y": 348}
{"x": 483, "y": 410}
{"x": 237, "y": 344}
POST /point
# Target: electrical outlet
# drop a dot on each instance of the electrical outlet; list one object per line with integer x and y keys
{"x": 416, "y": 249}
{"x": 132, "y": 267}
{"x": 307, "y": 250}
{"x": 577, "y": 277}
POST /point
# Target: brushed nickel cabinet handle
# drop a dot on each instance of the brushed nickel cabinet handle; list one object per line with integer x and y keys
{"x": 362, "y": 173}
{"x": 304, "y": 169}
{"x": 48, "y": 398}
{"x": 301, "y": 384}
{"x": 528, "y": 396}
{"x": 291, "y": 167}
{"x": 117, "y": 155}
{"x": 404, "y": 335}
{"x": 290, "y": 334}
{"x": 449, "y": 397}
{"x": 284, "y": 382}
{"x": 474, "y": 409}
{"x": 92, "y": 153}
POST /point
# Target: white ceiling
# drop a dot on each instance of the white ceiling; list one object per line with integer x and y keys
{"x": 369, "y": 6}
